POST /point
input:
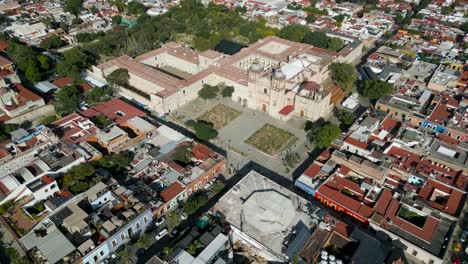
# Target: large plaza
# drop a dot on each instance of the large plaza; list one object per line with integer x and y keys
{"x": 249, "y": 135}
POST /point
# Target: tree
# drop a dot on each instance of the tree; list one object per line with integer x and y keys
{"x": 310, "y": 19}
{"x": 32, "y": 74}
{"x": 183, "y": 155}
{"x": 144, "y": 241}
{"x": 118, "y": 77}
{"x": 346, "y": 117}
{"x": 73, "y": 6}
{"x": 98, "y": 95}
{"x": 117, "y": 20}
{"x": 316, "y": 38}
{"x": 67, "y": 100}
{"x": 202, "y": 44}
{"x": 136, "y": 8}
{"x": 15, "y": 258}
{"x": 294, "y": 32}
{"x": 193, "y": 247}
{"x": 240, "y": 9}
{"x": 344, "y": 75}
{"x": 446, "y": 10}
{"x": 203, "y": 130}
{"x": 52, "y": 42}
{"x": 324, "y": 136}
{"x": 6, "y": 129}
{"x": 375, "y": 89}
{"x": 94, "y": 9}
{"x": 78, "y": 174}
{"x": 464, "y": 26}
{"x": 44, "y": 62}
{"x": 194, "y": 203}
{"x": 124, "y": 255}
{"x": 74, "y": 60}
{"x": 49, "y": 119}
{"x": 335, "y": 44}
{"x": 227, "y": 91}
{"x": 208, "y": 92}
{"x": 339, "y": 18}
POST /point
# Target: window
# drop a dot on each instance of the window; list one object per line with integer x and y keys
{"x": 46, "y": 190}
{"x": 265, "y": 91}
{"x": 53, "y": 186}
{"x": 122, "y": 236}
{"x": 189, "y": 191}
{"x": 414, "y": 253}
{"x": 114, "y": 243}
{"x": 102, "y": 253}
{"x": 138, "y": 225}
{"x": 120, "y": 113}
{"x": 95, "y": 258}
{"x": 145, "y": 219}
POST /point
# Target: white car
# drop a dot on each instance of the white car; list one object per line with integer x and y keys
{"x": 160, "y": 221}
{"x": 161, "y": 234}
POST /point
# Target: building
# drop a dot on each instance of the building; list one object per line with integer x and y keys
{"x": 17, "y": 101}
{"x": 88, "y": 228}
{"x": 274, "y": 75}
{"x": 274, "y": 223}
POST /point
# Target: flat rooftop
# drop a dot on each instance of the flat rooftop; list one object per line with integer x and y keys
{"x": 264, "y": 210}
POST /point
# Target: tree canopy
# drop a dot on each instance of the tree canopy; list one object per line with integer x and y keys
{"x": 324, "y": 136}
{"x": 118, "y": 77}
{"x": 375, "y": 89}
{"x": 208, "y": 92}
{"x": 74, "y": 60}
{"x": 52, "y": 42}
{"x": 5, "y": 130}
{"x": 294, "y": 32}
{"x": 136, "y": 8}
{"x": 73, "y": 6}
{"x": 316, "y": 38}
{"x": 346, "y": 118}
{"x": 67, "y": 100}
{"x": 344, "y": 75}
{"x": 203, "y": 130}
{"x": 464, "y": 26}
{"x": 227, "y": 91}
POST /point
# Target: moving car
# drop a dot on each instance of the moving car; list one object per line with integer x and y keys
{"x": 161, "y": 234}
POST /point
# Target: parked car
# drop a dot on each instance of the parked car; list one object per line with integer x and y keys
{"x": 161, "y": 234}
{"x": 457, "y": 247}
{"x": 463, "y": 236}
{"x": 455, "y": 259}
{"x": 160, "y": 221}
{"x": 207, "y": 185}
{"x": 184, "y": 216}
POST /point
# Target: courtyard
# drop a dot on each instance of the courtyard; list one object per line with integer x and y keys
{"x": 243, "y": 136}
{"x": 270, "y": 139}
{"x": 220, "y": 116}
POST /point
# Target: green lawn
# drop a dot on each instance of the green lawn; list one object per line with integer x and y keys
{"x": 270, "y": 139}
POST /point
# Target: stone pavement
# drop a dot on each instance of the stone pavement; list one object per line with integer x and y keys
{"x": 232, "y": 137}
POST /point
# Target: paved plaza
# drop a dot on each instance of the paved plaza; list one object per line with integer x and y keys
{"x": 233, "y": 135}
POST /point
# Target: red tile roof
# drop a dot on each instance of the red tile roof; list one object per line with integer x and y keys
{"x": 63, "y": 82}
{"x": 3, "y": 45}
{"x": 47, "y": 179}
{"x": 349, "y": 203}
{"x": 389, "y": 124}
{"x": 425, "y": 233}
{"x": 111, "y": 108}
{"x": 356, "y": 143}
{"x": 172, "y": 191}
{"x": 383, "y": 202}
{"x": 313, "y": 170}
{"x": 286, "y": 110}
{"x": 455, "y": 198}
{"x": 4, "y": 61}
